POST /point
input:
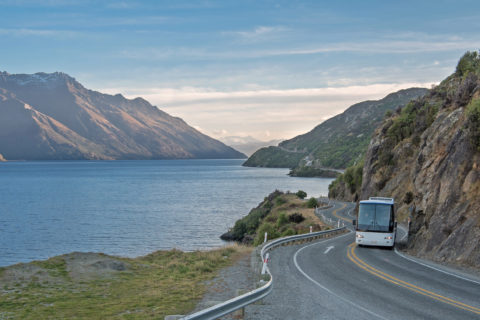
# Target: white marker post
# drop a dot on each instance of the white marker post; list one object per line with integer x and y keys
{"x": 265, "y": 261}
{"x": 310, "y": 229}
{"x": 265, "y": 240}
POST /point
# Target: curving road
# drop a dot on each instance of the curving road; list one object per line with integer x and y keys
{"x": 334, "y": 279}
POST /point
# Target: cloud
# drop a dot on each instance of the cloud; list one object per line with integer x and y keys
{"x": 258, "y": 33}
{"x": 25, "y": 32}
{"x": 44, "y": 3}
{"x": 371, "y": 47}
{"x": 264, "y": 114}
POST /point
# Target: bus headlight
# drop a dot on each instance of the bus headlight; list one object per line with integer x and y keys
{"x": 389, "y": 238}
{"x": 360, "y": 236}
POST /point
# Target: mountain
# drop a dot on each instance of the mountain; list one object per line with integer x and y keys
{"x": 52, "y": 116}
{"x": 248, "y": 144}
{"x": 427, "y": 156}
{"x": 336, "y": 143}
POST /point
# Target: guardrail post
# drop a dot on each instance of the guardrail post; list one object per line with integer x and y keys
{"x": 265, "y": 261}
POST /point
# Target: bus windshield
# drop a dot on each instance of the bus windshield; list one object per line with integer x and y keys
{"x": 375, "y": 217}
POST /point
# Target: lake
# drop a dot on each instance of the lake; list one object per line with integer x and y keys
{"x": 129, "y": 208}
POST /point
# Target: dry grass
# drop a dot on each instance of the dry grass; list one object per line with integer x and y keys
{"x": 161, "y": 283}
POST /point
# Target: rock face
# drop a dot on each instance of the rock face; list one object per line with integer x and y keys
{"x": 52, "y": 116}
{"x": 427, "y": 157}
{"x": 336, "y": 143}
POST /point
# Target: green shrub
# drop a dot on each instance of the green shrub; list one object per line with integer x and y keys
{"x": 408, "y": 197}
{"x": 296, "y": 217}
{"x": 301, "y": 194}
{"x": 239, "y": 229}
{"x": 473, "y": 123}
{"x": 282, "y": 220}
{"x": 272, "y": 233}
{"x": 280, "y": 200}
{"x": 469, "y": 62}
{"x": 312, "y": 202}
{"x": 288, "y": 232}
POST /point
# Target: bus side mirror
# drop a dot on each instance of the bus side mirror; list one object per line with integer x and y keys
{"x": 354, "y": 222}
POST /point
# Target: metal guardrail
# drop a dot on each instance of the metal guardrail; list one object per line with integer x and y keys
{"x": 239, "y": 302}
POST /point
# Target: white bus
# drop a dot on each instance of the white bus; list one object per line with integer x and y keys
{"x": 375, "y": 224}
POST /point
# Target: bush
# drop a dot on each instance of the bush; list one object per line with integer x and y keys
{"x": 239, "y": 230}
{"x": 282, "y": 220}
{"x": 469, "y": 62}
{"x": 312, "y": 202}
{"x": 473, "y": 123}
{"x": 408, "y": 197}
{"x": 280, "y": 200}
{"x": 301, "y": 194}
{"x": 288, "y": 232}
{"x": 272, "y": 233}
{"x": 296, "y": 217}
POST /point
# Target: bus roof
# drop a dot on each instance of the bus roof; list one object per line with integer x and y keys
{"x": 379, "y": 200}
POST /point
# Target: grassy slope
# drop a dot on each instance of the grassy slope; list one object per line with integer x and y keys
{"x": 272, "y": 216}
{"x": 161, "y": 283}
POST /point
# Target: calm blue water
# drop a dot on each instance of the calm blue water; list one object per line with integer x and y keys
{"x": 128, "y": 208}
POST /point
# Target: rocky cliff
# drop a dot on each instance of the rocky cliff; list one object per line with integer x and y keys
{"x": 52, "y": 116}
{"x": 427, "y": 156}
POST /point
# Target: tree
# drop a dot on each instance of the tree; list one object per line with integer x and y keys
{"x": 301, "y": 194}
{"x": 312, "y": 202}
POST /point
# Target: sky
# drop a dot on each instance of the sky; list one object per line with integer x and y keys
{"x": 266, "y": 69}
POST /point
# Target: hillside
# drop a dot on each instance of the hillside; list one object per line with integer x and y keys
{"x": 279, "y": 214}
{"x": 52, "y": 116}
{"x": 427, "y": 156}
{"x": 336, "y": 143}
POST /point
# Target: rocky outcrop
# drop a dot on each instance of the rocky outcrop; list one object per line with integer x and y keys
{"x": 426, "y": 156}
{"x": 2, "y": 158}
{"x": 52, "y": 116}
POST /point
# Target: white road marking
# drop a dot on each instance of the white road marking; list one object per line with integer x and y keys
{"x": 328, "y": 249}
{"x": 437, "y": 269}
{"x": 325, "y": 288}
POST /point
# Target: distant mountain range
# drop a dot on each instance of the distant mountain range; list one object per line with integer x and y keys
{"x": 336, "y": 143}
{"x": 53, "y": 117}
{"x": 248, "y": 144}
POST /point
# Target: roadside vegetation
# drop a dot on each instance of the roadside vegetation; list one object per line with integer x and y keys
{"x": 348, "y": 185}
{"x": 280, "y": 214}
{"x": 98, "y": 286}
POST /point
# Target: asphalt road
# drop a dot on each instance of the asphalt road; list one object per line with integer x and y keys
{"x": 334, "y": 279}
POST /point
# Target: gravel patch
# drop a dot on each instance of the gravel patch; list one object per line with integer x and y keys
{"x": 231, "y": 282}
